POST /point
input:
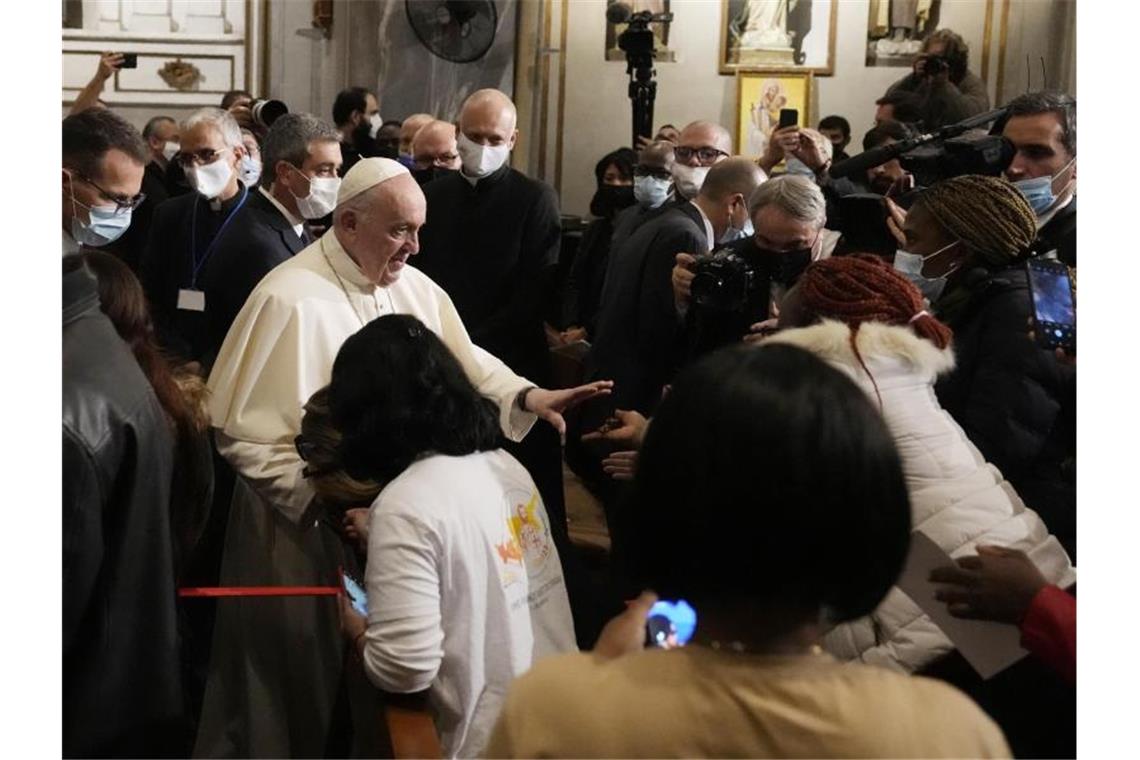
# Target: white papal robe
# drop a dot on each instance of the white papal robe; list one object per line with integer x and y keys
{"x": 277, "y": 662}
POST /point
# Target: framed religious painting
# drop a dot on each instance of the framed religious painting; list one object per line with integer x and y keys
{"x": 791, "y": 35}
{"x": 760, "y": 96}
{"x": 661, "y": 50}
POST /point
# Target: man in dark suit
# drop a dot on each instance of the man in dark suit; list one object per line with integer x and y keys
{"x": 161, "y": 136}
{"x": 639, "y": 324}
{"x": 356, "y": 113}
{"x": 298, "y": 182}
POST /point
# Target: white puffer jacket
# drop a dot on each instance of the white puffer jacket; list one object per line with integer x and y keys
{"x": 957, "y": 498}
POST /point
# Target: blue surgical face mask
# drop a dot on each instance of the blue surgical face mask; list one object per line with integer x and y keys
{"x": 650, "y": 191}
{"x": 910, "y": 265}
{"x": 250, "y": 171}
{"x": 734, "y": 233}
{"x": 1039, "y": 190}
{"x": 104, "y": 225}
{"x": 798, "y": 167}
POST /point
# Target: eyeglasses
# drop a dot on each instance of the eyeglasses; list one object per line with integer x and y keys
{"x": 705, "y": 155}
{"x": 645, "y": 171}
{"x": 201, "y": 157}
{"x": 443, "y": 161}
{"x": 122, "y": 203}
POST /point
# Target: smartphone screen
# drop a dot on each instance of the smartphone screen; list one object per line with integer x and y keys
{"x": 1053, "y": 307}
{"x": 789, "y": 117}
{"x": 670, "y": 624}
{"x": 356, "y": 594}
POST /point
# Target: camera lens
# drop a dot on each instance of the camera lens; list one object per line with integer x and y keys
{"x": 265, "y": 112}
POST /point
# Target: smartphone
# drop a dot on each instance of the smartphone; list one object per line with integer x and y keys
{"x": 356, "y": 593}
{"x": 789, "y": 117}
{"x": 1054, "y": 307}
{"x": 863, "y": 224}
{"x": 670, "y": 624}
{"x": 130, "y": 61}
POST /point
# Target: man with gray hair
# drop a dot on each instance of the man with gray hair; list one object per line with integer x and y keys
{"x": 299, "y": 182}
{"x": 787, "y": 215}
{"x": 185, "y": 229}
{"x": 277, "y": 664}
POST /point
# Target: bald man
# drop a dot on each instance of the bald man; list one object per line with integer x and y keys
{"x": 653, "y": 189}
{"x": 701, "y": 145}
{"x": 491, "y": 241}
{"x": 434, "y": 151}
{"x": 282, "y": 661}
{"x": 408, "y": 129}
{"x": 639, "y": 329}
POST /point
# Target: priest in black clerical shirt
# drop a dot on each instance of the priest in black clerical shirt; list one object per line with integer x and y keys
{"x": 184, "y": 230}
{"x": 491, "y": 241}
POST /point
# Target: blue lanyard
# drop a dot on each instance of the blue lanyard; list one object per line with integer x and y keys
{"x": 199, "y": 263}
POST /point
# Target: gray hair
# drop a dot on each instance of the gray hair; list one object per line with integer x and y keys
{"x": 288, "y": 140}
{"x": 219, "y": 120}
{"x": 153, "y": 124}
{"x": 796, "y": 196}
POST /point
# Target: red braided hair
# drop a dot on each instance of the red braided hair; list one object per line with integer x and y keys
{"x": 858, "y": 289}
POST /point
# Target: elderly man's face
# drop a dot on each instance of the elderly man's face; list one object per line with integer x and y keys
{"x": 778, "y": 232}
{"x": 386, "y": 236}
{"x": 701, "y": 146}
{"x": 435, "y": 146}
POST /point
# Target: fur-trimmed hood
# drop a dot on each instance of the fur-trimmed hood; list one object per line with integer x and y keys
{"x": 830, "y": 340}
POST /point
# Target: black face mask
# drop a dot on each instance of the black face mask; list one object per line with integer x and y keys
{"x": 610, "y": 199}
{"x": 785, "y": 267}
{"x": 363, "y": 142}
{"x": 424, "y": 176}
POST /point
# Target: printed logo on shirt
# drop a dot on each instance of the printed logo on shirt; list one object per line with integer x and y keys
{"x": 527, "y": 544}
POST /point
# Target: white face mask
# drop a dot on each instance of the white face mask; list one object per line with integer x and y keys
{"x": 250, "y": 171}
{"x": 170, "y": 149}
{"x": 650, "y": 191}
{"x": 210, "y": 180}
{"x": 321, "y": 199}
{"x": 688, "y": 179}
{"x": 374, "y": 122}
{"x": 481, "y": 160}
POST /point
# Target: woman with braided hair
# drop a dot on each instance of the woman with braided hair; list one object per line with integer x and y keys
{"x": 1015, "y": 401}
{"x": 869, "y": 321}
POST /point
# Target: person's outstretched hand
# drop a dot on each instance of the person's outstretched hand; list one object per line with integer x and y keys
{"x": 998, "y": 584}
{"x": 109, "y": 63}
{"x": 620, "y": 465}
{"x": 549, "y": 405}
{"x": 624, "y": 427}
{"x": 625, "y": 633}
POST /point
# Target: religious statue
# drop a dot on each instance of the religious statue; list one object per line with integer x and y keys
{"x": 766, "y": 32}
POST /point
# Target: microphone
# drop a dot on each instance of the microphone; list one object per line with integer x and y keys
{"x": 860, "y": 163}
{"x": 618, "y": 13}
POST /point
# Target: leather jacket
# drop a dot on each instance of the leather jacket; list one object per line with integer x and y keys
{"x": 122, "y": 693}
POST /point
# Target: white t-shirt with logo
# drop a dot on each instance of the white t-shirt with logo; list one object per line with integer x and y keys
{"x": 465, "y": 589}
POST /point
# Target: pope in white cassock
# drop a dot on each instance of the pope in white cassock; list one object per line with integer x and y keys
{"x": 277, "y": 663}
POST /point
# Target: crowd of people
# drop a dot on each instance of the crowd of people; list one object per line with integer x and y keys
{"x": 301, "y": 354}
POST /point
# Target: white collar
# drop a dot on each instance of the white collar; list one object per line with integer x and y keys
{"x": 298, "y": 224}
{"x": 708, "y": 224}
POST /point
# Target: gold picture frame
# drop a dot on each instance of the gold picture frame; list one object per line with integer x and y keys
{"x": 760, "y": 94}
{"x": 809, "y": 48}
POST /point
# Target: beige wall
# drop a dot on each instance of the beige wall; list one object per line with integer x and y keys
{"x": 597, "y": 112}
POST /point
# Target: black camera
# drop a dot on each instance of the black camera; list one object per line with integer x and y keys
{"x": 265, "y": 112}
{"x": 970, "y": 153}
{"x": 723, "y": 281}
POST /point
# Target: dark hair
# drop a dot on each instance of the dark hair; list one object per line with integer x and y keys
{"x": 88, "y": 135}
{"x": 392, "y": 123}
{"x": 836, "y": 122}
{"x": 768, "y": 478}
{"x": 288, "y": 140}
{"x": 1033, "y": 103}
{"x": 181, "y": 393}
{"x": 956, "y": 52}
{"x": 153, "y": 123}
{"x": 888, "y": 130}
{"x": 347, "y": 101}
{"x": 234, "y": 96}
{"x": 398, "y": 392}
{"x": 623, "y": 158}
{"x": 907, "y": 107}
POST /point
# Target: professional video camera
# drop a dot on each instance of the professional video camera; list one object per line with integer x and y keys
{"x": 723, "y": 280}
{"x": 948, "y": 152}
{"x": 638, "y": 43}
{"x": 267, "y": 111}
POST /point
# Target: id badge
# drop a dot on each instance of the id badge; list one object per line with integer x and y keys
{"x": 191, "y": 300}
